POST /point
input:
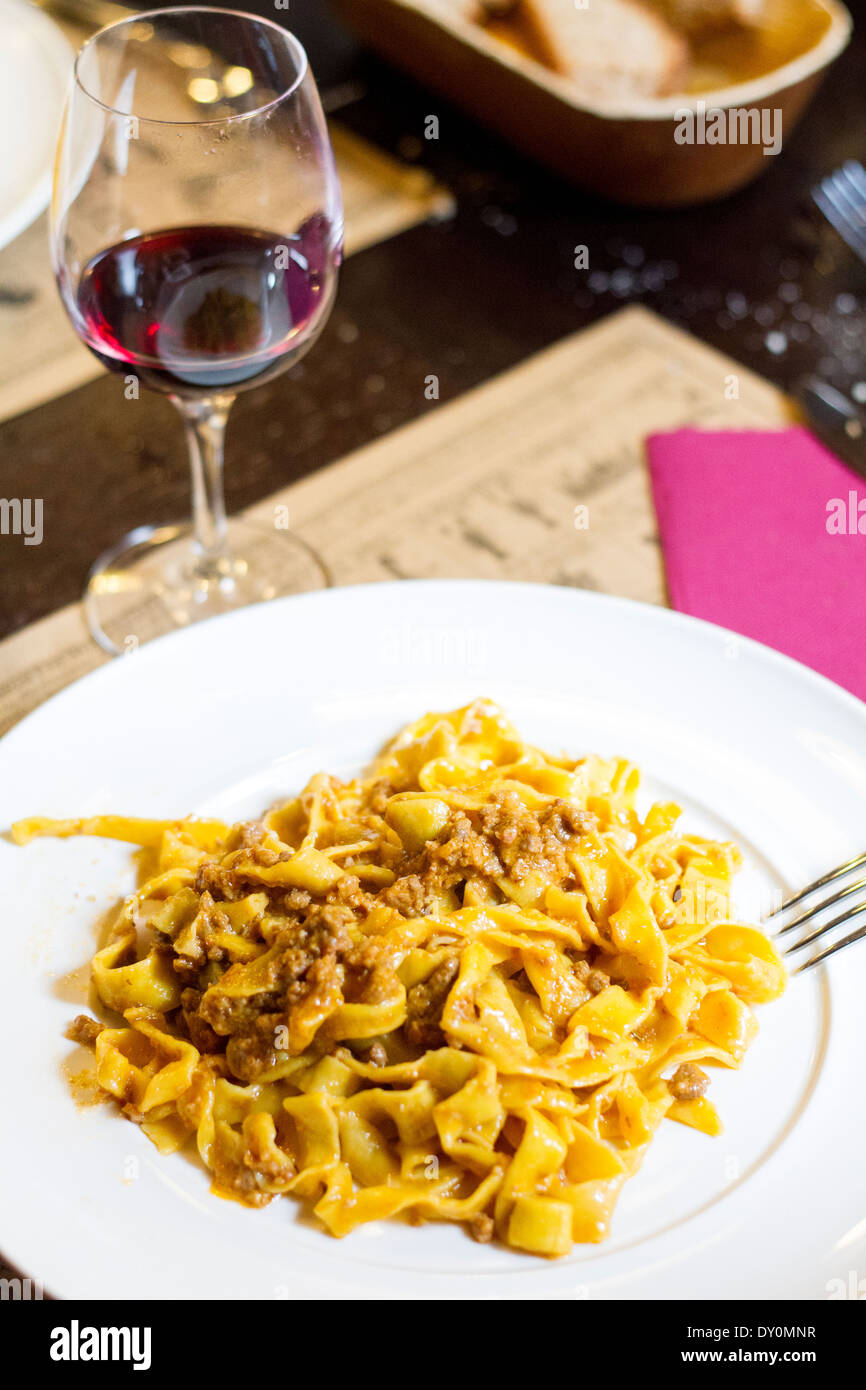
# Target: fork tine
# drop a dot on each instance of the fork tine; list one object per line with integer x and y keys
{"x": 835, "y": 209}
{"x": 856, "y": 175}
{"x": 848, "y": 940}
{"x": 820, "y": 883}
{"x": 826, "y": 927}
{"x": 856, "y": 887}
{"x": 851, "y": 199}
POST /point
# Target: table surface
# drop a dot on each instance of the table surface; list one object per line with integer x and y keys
{"x": 758, "y": 275}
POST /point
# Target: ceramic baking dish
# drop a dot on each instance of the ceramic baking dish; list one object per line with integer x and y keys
{"x": 633, "y": 154}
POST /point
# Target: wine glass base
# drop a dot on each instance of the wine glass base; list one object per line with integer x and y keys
{"x": 152, "y": 582}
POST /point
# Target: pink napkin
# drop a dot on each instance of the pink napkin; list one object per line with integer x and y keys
{"x": 765, "y": 533}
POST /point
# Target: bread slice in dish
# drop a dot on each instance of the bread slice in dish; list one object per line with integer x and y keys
{"x": 698, "y": 16}
{"x": 612, "y": 50}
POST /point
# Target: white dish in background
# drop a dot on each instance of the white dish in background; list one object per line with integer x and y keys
{"x": 227, "y": 716}
{"x": 35, "y": 66}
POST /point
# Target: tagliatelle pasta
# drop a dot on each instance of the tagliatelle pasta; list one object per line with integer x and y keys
{"x": 468, "y": 986}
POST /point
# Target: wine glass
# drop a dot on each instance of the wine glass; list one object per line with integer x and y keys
{"x": 196, "y": 235}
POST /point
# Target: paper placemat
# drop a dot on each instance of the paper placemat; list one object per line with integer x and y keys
{"x": 40, "y": 355}
{"x": 537, "y": 475}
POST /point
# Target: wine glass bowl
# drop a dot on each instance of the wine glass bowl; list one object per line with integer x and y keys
{"x": 196, "y": 236}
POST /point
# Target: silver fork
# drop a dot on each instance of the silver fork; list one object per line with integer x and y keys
{"x": 841, "y": 196}
{"x": 810, "y": 916}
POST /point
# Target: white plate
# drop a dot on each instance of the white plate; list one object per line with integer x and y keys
{"x": 35, "y": 65}
{"x": 230, "y": 714}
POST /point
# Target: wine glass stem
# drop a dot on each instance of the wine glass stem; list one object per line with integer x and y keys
{"x": 205, "y": 424}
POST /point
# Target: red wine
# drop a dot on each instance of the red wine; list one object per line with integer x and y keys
{"x": 199, "y": 310}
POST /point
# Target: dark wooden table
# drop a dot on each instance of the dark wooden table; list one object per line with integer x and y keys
{"x": 758, "y": 276}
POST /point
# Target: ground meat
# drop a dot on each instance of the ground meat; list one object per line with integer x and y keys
{"x": 241, "y": 1182}
{"x": 324, "y": 934}
{"x": 295, "y": 964}
{"x": 219, "y": 882}
{"x": 370, "y": 977}
{"x": 334, "y": 920}
{"x": 252, "y": 835}
{"x": 567, "y": 820}
{"x": 505, "y": 818}
{"x": 408, "y": 896}
{"x": 502, "y": 839}
{"x": 481, "y": 1228}
{"x": 522, "y": 841}
{"x": 315, "y": 940}
{"x": 425, "y": 1002}
{"x": 199, "y": 1031}
{"x": 596, "y": 981}
{"x": 228, "y": 1015}
{"x": 84, "y": 1030}
{"x": 688, "y": 1082}
{"x": 347, "y": 892}
{"x": 298, "y": 964}
{"x": 464, "y": 850}
{"x": 187, "y": 970}
{"x": 249, "y": 1054}
{"x": 296, "y": 900}
{"x": 383, "y": 983}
